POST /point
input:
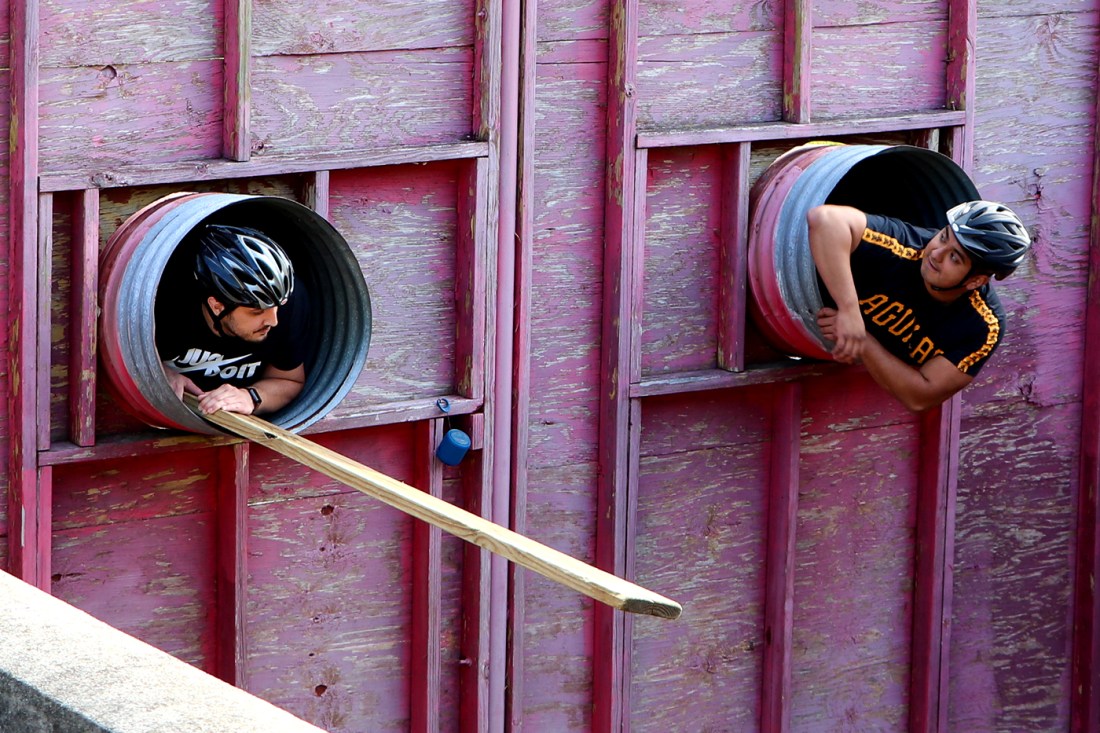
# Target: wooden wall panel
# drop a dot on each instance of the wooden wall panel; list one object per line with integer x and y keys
{"x": 401, "y": 223}
{"x": 134, "y": 546}
{"x": 872, "y": 12}
{"x": 5, "y": 266}
{"x": 572, "y": 20}
{"x": 683, "y": 206}
{"x": 565, "y": 313}
{"x": 853, "y": 579}
{"x": 702, "y": 518}
{"x": 709, "y": 80}
{"x": 851, "y": 76}
{"x": 321, "y": 103}
{"x": 87, "y": 33}
{"x": 118, "y": 114}
{"x": 1013, "y": 570}
{"x": 696, "y": 17}
{"x": 303, "y": 27}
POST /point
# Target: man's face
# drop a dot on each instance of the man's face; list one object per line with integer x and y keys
{"x": 250, "y": 324}
{"x": 945, "y": 263}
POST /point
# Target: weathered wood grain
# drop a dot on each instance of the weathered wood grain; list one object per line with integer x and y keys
{"x": 680, "y": 297}
{"x": 86, "y": 33}
{"x": 401, "y": 223}
{"x": 304, "y": 27}
{"x": 697, "y": 17}
{"x": 702, "y": 499}
{"x": 572, "y": 20}
{"x": 130, "y": 113}
{"x": 872, "y": 12}
{"x": 709, "y": 80}
{"x": 1013, "y": 570}
{"x": 851, "y": 78}
{"x": 304, "y": 104}
{"x": 853, "y": 579}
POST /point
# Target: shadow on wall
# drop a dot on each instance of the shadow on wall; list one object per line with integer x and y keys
{"x": 153, "y": 245}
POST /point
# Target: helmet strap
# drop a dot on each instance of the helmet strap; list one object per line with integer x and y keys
{"x": 216, "y": 317}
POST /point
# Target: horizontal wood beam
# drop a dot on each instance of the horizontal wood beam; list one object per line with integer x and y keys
{"x": 708, "y": 379}
{"x": 213, "y": 170}
{"x": 789, "y": 130}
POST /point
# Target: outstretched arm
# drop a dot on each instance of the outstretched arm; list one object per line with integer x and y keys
{"x": 276, "y": 387}
{"x": 835, "y": 232}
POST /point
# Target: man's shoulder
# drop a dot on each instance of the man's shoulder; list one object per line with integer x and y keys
{"x": 897, "y": 236}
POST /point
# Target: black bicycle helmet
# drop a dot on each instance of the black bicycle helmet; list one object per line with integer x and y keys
{"x": 992, "y": 235}
{"x": 242, "y": 266}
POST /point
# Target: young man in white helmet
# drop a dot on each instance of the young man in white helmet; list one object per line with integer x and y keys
{"x": 234, "y": 337}
{"x": 914, "y": 305}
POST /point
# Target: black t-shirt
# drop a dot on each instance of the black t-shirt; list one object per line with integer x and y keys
{"x": 189, "y": 346}
{"x": 900, "y": 313}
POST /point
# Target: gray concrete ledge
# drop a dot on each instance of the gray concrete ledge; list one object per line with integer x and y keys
{"x": 63, "y": 670}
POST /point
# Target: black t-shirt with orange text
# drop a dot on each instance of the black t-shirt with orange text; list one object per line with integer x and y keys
{"x": 901, "y": 314}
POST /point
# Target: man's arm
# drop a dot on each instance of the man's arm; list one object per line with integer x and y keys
{"x": 276, "y": 388}
{"x": 918, "y": 389}
{"x": 835, "y": 232}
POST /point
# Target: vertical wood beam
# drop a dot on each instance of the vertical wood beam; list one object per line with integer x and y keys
{"x": 315, "y": 193}
{"x": 427, "y": 578}
{"x": 775, "y": 709}
{"x": 236, "y": 127}
{"x": 612, "y": 500}
{"x": 733, "y": 257}
{"x": 475, "y": 658}
{"x": 798, "y": 28}
{"x": 28, "y": 538}
{"x": 962, "y": 19}
{"x": 521, "y": 359}
{"x": 470, "y": 285}
{"x": 635, "y": 281}
{"x": 82, "y": 342}
{"x": 231, "y": 574}
{"x": 934, "y": 553}
{"x": 1085, "y": 666}
{"x": 44, "y": 318}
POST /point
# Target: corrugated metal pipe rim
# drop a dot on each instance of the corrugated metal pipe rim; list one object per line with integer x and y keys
{"x": 911, "y": 183}
{"x": 135, "y": 259}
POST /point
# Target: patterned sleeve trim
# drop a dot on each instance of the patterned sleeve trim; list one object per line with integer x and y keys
{"x": 887, "y": 242}
{"x": 992, "y": 335}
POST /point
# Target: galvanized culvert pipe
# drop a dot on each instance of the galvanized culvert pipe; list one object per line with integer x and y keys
{"x": 136, "y": 257}
{"x": 911, "y": 183}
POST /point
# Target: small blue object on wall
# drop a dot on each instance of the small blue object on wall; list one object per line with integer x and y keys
{"x": 452, "y": 449}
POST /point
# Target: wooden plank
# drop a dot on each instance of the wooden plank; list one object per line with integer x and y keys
{"x": 43, "y": 318}
{"x": 797, "y": 59}
{"x": 708, "y": 80}
{"x": 25, "y": 534}
{"x": 962, "y": 22}
{"x": 559, "y": 567}
{"x": 783, "y": 483}
{"x": 913, "y": 80}
{"x": 315, "y": 192}
{"x": 297, "y": 27}
{"x": 939, "y": 448}
{"x": 1085, "y": 660}
{"x": 231, "y": 551}
{"x": 709, "y": 379}
{"x": 236, "y": 127}
{"x": 84, "y": 294}
{"x": 471, "y": 293}
{"x": 427, "y": 572}
{"x": 314, "y": 104}
{"x": 609, "y": 655}
{"x": 635, "y": 315}
{"x": 130, "y": 114}
{"x": 123, "y": 176}
{"x": 789, "y": 131}
{"x": 733, "y": 262}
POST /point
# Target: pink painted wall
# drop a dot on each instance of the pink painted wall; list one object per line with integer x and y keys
{"x": 391, "y": 120}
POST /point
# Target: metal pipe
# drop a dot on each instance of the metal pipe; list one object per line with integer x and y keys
{"x": 911, "y": 183}
{"x": 140, "y": 251}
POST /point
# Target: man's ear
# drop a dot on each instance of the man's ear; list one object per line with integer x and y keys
{"x": 215, "y": 305}
{"x": 976, "y": 281}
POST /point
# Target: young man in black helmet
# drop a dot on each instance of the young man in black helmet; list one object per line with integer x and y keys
{"x": 233, "y": 336}
{"x": 915, "y": 305}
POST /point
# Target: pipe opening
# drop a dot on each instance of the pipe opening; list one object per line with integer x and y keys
{"x": 154, "y": 245}
{"x": 911, "y": 183}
